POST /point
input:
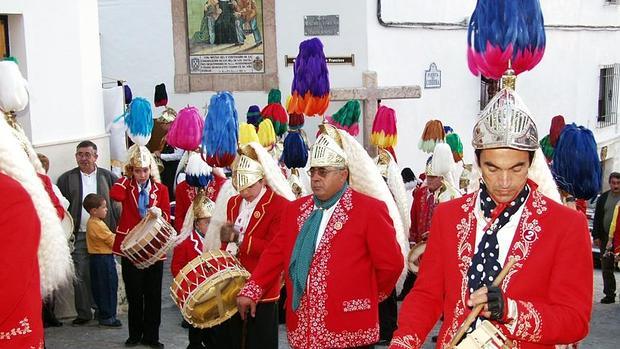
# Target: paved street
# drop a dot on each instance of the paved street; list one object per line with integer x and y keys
{"x": 604, "y": 326}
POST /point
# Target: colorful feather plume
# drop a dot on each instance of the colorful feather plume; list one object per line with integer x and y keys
{"x": 186, "y": 130}
{"x": 295, "y": 153}
{"x": 197, "y": 172}
{"x": 384, "y": 134}
{"x": 219, "y": 138}
{"x": 295, "y": 122}
{"x": 310, "y": 88}
{"x": 253, "y": 116}
{"x": 275, "y": 96}
{"x": 266, "y": 134}
{"x": 503, "y": 32}
{"x": 546, "y": 148}
{"x": 278, "y": 116}
{"x": 139, "y": 121}
{"x": 447, "y": 130}
{"x": 127, "y": 93}
{"x": 433, "y": 133}
{"x": 13, "y": 88}
{"x": 347, "y": 118}
{"x": 557, "y": 125}
{"x": 580, "y": 178}
{"x": 161, "y": 96}
{"x": 247, "y": 134}
{"x": 454, "y": 141}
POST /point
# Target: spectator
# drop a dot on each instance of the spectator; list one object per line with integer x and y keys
{"x": 603, "y": 215}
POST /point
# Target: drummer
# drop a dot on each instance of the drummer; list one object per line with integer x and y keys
{"x": 140, "y": 192}
{"x": 252, "y": 220}
{"x": 187, "y": 250}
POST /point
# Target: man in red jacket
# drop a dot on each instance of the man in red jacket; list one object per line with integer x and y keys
{"x": 546, "y": 297}
{"x": 139, "y": 192}
{"x": 337, "y": 249}
{"x": 252, "y": 218}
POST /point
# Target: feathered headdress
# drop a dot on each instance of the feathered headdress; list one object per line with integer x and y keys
{"x": 433, "y": 133}
{"x": 219, "y": 139}
{"x": 186, "y": 130}
{"x": 580, "y": 178}
{"x": 161, "y": 96}
{"x": 454, "y": 141}
{"x": 266, "y": 134}
{"x": 197, "y": 172}
{"x": 310, "y": 88}
{"x": 384, "y": 133}
{"x": 127, "y": 93}
{"x": 295, "y": 154}
{"x": 347, "y": 118}
{"x": 296, "y": 121}
{"x": 275, "y": 112}
{"x": 139, "y": 121}
{"x": 503, "y": 33}
{"x": 247, "y": 134}
{"x": 253, "y": 116}
{"x": 557, "y": 125}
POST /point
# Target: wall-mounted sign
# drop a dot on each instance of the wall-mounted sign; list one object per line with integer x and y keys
{"x": 321, "y": 25}
{"x": 432, "y": 77}
{"x": 288, "y": 60}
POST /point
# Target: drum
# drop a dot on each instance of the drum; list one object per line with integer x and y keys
{"x": 485, "y": 336}
{"x": 414, "y": 257}
{"x": 148, "y": 241}
{"x": 67, "y": 227}
{"x": 206, "y": 289}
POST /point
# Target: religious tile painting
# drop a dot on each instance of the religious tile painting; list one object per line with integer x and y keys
{"x": 225, "y": 36}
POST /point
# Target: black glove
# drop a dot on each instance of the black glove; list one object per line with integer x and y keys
{"x": 496, "y": 303}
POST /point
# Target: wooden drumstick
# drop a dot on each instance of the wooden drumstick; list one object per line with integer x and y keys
{"x": 478, "y": 308}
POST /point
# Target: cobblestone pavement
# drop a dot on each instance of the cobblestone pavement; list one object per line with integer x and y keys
{"x": 604, "y": 325}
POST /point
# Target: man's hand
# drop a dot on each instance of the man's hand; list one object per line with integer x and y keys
{"x": 609, "y": 246}
{"x": 244, "y": 304}
{"x": 493, "y": 300}
{"x": 157, "y": 154}
{"x": 597, "y": 243}
{"x": 228, "y": 233}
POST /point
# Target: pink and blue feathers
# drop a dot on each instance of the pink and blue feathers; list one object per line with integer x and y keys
{"x": 505, "y": 30}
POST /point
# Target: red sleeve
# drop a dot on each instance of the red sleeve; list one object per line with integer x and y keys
{"x": 565, "y": 318}
{"x": 119, "y": 189}
{"x": 47, "y": 184}
{"x": 270, "y": 266}
{"x": 385, "y": 253}
{"x": 258, "y": 245}
{"x": 182, "y": 205}
{"x": 423, "y": 305}
{"x": 179, "y": 259}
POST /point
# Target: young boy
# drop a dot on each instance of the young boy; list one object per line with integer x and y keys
{"x": 189, "y": 249}
{"x": 99, "y": 241}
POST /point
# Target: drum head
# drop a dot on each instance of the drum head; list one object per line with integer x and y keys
{"x": 218, "y": 302}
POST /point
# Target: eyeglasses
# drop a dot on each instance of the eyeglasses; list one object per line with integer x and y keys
{"x": 321, "y": 171}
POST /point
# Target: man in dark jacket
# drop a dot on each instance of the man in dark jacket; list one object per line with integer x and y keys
{"x": 74, "y": 185}
{"x": 600, "y": 232}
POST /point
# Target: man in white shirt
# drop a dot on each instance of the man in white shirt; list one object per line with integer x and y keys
{"x": 74, "y": 185}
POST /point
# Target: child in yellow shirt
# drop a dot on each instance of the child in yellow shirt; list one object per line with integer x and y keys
{"x": 99, "y": 241}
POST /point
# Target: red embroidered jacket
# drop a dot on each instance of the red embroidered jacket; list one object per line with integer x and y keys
{"x": 126, "y": 191}
{"x": 421, "y": 213}
{"x": 551, "y": 282}
{"x": 20, "y": 305}
{"x": 259, "y": 233}
{"x": 184, "y": 252}
{"x": 356, "y": 265}
{"x": 185, "y": 194}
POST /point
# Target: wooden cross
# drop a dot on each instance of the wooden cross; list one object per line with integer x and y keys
{"x": 370, "y": 95}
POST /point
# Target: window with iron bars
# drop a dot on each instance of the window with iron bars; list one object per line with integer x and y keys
{"x": 609, "y": 86}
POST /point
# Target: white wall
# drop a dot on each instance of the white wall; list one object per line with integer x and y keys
{"x": 565, "y": 82}
{"x": 57, "y": 46}
{"x": 139, "y": 48}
